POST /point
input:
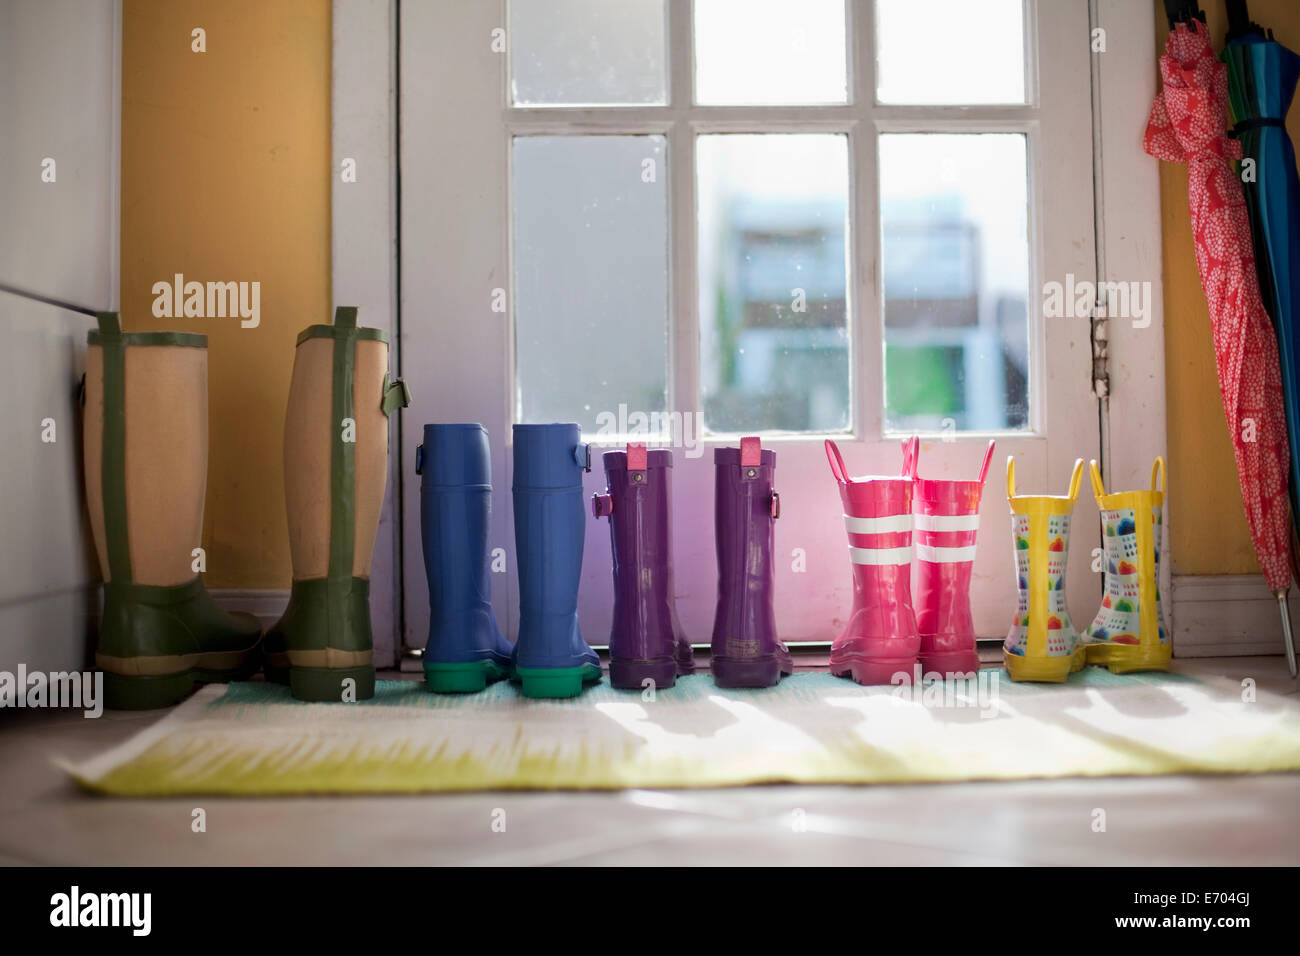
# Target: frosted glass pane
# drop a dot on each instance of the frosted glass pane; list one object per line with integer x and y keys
{"x": 590, "y": 277}
{"x": 587, "y": 53}
{"x": 955, "y": 256}
{"x": 769, "y": 52}
{"x": 774, "y": 344}
{"x": 931, "y": 52}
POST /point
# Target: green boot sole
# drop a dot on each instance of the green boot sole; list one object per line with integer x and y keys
{"x": 122, "y": 692}
{"x": 323, "y": 642}
{"x": 556, "y": 682}
{"x": 178, "y": 631}
{"x": 330, "y": 685}
{"x": 466, "y": 678}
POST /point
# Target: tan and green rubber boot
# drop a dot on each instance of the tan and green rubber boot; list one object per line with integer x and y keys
{"x": 146, "y": 462}
{"x": 335, "y": 470}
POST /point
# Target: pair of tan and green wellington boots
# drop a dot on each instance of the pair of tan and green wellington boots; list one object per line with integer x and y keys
{"x": 145, "y": 453}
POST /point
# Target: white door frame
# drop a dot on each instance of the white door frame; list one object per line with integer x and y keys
{"x": 364, "y": 262}
{"x": 1129, "y": 242}
{"x": 455, "y": 241}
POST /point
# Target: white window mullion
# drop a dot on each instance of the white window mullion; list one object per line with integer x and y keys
{"x": 683, "y": 329}
{"x": 866, "y": 305}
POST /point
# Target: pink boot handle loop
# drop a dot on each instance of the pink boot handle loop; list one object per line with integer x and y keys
{"x": 988, "y": 460}
{"x": 911, "y": 456}
{"x": 836, "y": 460}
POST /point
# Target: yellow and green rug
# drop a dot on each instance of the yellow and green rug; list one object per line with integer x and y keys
{"x": 252, "y": 738}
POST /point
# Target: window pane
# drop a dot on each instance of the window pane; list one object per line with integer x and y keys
{"x": 756, "y": 52}
{"x": 956, "y": 280}
{"x": 916, "y": 38}
{"x": 774, "y": 343}
{"x": 591, "y": 277}
{"x": 587, "y": 53}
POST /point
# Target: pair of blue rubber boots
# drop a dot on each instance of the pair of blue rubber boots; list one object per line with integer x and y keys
{"x": 466, "y": 649}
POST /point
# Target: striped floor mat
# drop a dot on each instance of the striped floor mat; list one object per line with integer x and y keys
{"x": 252, "y": 738}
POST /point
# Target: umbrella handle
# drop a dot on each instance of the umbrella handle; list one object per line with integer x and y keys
{"x": 1075, "y": 478}
{"x": 1011, "y": 476}
{"x": 1158, "y": 471}
{"x": 1094, "y": 473}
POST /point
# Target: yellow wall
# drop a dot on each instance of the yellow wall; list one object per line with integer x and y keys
{"x": 1207, "y": 526}
{"x": 225, "y": 176}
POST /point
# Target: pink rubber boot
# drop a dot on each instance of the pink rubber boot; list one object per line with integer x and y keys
{"x": 947, "y": 515}
{"x": 880, "y": 643}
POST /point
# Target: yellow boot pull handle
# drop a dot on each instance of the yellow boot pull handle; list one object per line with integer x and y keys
{"x": 1076, "y": 477}
{"x": 1094, "y": 473}
{"x": 1157, "y": 477}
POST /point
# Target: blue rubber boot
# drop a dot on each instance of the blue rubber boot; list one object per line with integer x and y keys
{"x": 466, "y": 650}
{"x": 551, "y": 659}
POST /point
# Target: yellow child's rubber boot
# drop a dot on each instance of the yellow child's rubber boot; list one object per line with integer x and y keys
{"x": 1042, "y": 644}
{"x": 1128, "y": 633}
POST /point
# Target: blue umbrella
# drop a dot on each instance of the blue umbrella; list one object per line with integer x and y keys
{"x": 1262, "y": 77}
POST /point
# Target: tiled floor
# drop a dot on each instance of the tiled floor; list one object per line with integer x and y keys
{"x": 1149, "y": 821}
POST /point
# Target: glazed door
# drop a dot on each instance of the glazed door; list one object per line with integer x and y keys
{"x": 701, "y": 220}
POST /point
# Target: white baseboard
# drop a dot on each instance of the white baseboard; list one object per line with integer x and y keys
{"x": 1226, "y": 615}
{"x": 265, "y": 605}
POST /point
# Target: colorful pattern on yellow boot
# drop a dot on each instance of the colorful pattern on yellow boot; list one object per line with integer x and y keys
{"x": 1129, "y": 633}
{"x": 1062, "y": 638}
{"x": 1119, "y": 619}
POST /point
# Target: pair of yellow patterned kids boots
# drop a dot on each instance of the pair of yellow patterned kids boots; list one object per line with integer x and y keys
{"x": 1128, "y": 633}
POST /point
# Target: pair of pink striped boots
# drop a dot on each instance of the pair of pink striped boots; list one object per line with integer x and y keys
{"x": 895, "y": 523}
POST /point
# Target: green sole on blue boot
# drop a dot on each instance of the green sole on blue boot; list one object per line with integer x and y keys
{"x": 462, "y": 678}
{"x": 556, "y": 682}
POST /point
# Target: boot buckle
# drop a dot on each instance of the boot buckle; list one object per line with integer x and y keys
{"x": 775, "y": 507}
{"x": 602, "y": 505}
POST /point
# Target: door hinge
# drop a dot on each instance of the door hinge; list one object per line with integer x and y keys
{"x": 1098, "y": 334}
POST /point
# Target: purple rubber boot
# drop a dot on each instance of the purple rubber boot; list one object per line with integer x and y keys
{"x": 646, "y": 641}
{"x": 746, "y": 652}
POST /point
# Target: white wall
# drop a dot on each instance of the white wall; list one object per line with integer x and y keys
{"x": 363, "y": 216}
{"x": 58, "y": 99}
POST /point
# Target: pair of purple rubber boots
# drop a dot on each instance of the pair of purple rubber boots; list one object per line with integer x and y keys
{"x": 647, "y": 646}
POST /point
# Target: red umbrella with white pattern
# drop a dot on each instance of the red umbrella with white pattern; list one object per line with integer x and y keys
{"x": 1188, "y": 124}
